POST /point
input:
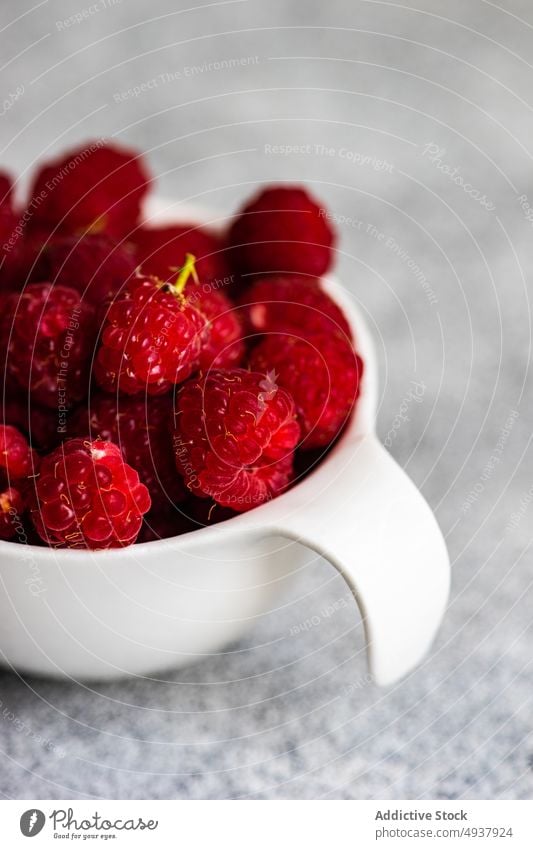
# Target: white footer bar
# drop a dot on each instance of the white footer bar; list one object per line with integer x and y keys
{"x": 268, "y": 825}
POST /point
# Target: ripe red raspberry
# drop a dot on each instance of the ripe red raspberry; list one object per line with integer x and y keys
{"x": 86, "y": 496}
{"x": 292, "y": 304}
{"x": 17, "y": 459}
{"x": 323, "y": 375}
{"x": 17, "y": 463}
{"x": 142, "y": 429}
{"x": 96, "y": 266}
{"x": 162, "y": 250}
{"x": 235, "y": 437}
{"x": 152, "y": 339}
{"x": 225, "y": 346}
{"x": 282, "y": 229}
{"x": 50, "y": 336}
{"x": 97, "y": 188}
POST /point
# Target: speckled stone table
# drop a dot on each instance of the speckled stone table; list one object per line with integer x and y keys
{"x": 415, "y": 128}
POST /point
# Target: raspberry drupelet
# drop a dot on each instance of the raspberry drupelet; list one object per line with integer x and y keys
{"x": 50, "y": 337}
{"x": 87, "y": 496}
{"x": 282, "y": 229}
{"x": 142, "y": 429}
{"x": 292, "y": 304}
{"x": 322, "y": 373}
{"x": 95, "y": 188}
{"x": 235, "y": 437}
{"x": 152, "y": 337}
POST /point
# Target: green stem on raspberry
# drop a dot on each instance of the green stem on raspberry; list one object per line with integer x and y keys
{"x": 187, "y": 270}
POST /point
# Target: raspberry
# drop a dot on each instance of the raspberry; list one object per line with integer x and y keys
{"x": 96, "y": 188}
{"x": 86, "y": 496}
{"x": 142, "y": 430}
{"x": 94, "y": 265}
{"x": 17, "y": 463}
{"x": 161, "y": 250}
{"x": 39, "y": 424}
{"x": 235, "y": 437}
{"x": 50, "y": 336}
{"x": 22, "y": 259}
{"x": 322, "y": 373}
{"x": 225, "y": 346}
{"x": 10, "y": 247}
{"x": 292, "y": 304}
{"x": 17, "y": 459}
{"x": 282, "y": 229}
{"x": 152, "y": 338}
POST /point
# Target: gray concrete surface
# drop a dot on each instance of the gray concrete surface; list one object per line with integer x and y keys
{"x": 419, "y": 126}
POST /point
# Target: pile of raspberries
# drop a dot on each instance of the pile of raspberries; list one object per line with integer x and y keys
{"x": 159, "y": 378}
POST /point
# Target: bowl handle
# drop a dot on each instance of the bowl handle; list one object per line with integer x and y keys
{"x": 371, "y": 522}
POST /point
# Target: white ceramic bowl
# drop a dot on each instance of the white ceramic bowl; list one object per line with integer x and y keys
{"x": 164, "y": 604}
